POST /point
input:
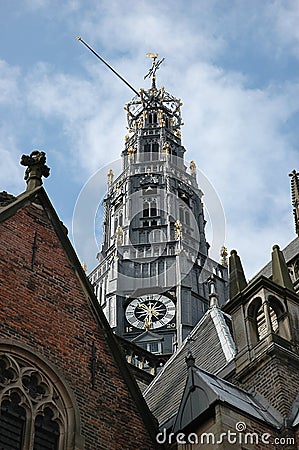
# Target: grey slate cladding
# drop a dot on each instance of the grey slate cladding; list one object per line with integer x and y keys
{"x": 164, "y": 394}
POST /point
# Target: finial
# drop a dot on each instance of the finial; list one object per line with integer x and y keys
{"x": 131, "y": 152}
{"x": 192, "y": 168}
{"x": 223, "y": 254}
{"x": 84, "y": 266}
{"x": 295, "y": 198}
{"x": 237, "y": 280}
{"x": 166, "y": 148}
{"x": 178, "y": 230}
{"x": 155, "y": 66}
{"x": 280, "y": 272}
{"x": 110, "y": 176}
{"x": 190, "y": 360}
{"x": 119, "y": 234}
{"x": 36, "y": 169}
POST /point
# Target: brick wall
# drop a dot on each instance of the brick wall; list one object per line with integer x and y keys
{"x": 276, "y": 380}
{"x": 45, "y": 308}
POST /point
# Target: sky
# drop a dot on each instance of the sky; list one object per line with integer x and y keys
{"x": 234, "y": 64}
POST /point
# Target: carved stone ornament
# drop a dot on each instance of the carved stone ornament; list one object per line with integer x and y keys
{"x": 36, "y": 168}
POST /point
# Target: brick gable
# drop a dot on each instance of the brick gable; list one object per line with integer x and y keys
{"x": 48, "y": 306}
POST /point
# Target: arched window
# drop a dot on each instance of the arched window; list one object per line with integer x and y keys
{"x": 150, "y": 208}
{"x": 146, "y": 210}
{"x": 267, "y": 317}
{"x": 37, "y": 411}
{"x": 262, "y": 326}
{"x": 153, "y": 211}
{"x": 12, "y": 423}
{"x": 46, "y": 431}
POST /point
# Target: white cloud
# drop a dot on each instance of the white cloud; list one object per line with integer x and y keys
{"x": 286, "y": 17}
{"x": 9, "y": 92}
{"x": 235, "y": 130}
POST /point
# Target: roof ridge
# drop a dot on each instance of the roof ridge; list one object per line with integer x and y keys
{"x": 223, "y": 332}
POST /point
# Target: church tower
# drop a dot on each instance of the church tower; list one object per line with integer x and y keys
{"x": 265, "y": 317}
{"x": 153, "y": 265}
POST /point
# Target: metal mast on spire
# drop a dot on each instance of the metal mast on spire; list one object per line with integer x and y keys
{"x": 108, "y": 65}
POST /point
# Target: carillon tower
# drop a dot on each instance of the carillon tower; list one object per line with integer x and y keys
{"x": 153, "y": 275}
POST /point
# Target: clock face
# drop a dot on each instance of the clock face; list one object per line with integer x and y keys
{"x": 150, "y": 311}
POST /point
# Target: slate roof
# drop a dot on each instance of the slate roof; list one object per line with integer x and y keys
{"x": 296, "y": 421}
{"x": 203, "y": 389}
{"x": 289, "y": 252}
{"x": 212, "y": 346}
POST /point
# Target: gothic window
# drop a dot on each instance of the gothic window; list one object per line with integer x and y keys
{"x": 12, "y": 423}
{"x": 35, "y": 413}
{"x": 46, "y": 431}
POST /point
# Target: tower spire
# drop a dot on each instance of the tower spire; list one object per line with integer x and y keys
{"x": 295, "y": 198}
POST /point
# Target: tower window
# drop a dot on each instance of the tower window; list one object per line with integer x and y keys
{"x": 147, "y": 152}
{"x": 155, "y": 152}
{"x": 153, "y": 211}
{"x": 146, "y": 209}
{"x": 150, "y": 208}
{"x": 151, "y": 152}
